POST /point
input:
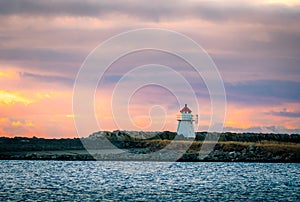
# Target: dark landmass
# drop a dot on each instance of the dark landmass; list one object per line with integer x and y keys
{"x": 156, "y": 146}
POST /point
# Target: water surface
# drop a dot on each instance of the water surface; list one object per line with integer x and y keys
{"x": 144, "y": 181}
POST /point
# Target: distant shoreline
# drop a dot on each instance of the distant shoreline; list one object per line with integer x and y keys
{"x": 232, "y": 147}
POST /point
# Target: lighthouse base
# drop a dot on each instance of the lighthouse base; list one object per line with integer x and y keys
{"x": 186, "y": 128}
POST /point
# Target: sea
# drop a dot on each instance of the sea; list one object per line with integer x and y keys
{"x": 23, "y": 180}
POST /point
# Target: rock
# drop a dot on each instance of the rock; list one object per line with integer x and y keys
{"x": 232, "y": 154}
{"x": 251, "y": 147}
{"x": 276, "y": 158}
{"x": 218, "y": 153}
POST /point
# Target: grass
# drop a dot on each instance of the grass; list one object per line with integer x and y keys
{"x": 268, "y": 146}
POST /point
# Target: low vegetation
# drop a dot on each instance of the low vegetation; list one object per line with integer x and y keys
{"x": 230, "y": 147}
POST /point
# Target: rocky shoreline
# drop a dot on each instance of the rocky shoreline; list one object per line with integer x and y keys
{"x": 248, "y": 154}
{"x": 125, "y": 146}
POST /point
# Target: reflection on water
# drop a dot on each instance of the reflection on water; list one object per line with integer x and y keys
{"x": 106, "y": 181}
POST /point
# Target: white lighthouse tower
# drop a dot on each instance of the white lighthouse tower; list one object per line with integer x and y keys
{"x": 185, "y": 123}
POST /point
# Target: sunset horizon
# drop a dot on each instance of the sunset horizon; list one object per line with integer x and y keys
{"x": 44, "y": 45}
{"x": 130, "y": 100}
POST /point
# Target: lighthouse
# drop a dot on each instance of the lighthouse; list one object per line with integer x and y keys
{"x": 185, "y": 123}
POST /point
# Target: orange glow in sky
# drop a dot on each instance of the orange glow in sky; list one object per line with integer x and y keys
{"x": 255, "y": 46}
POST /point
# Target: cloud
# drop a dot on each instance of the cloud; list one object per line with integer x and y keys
{"x": 255, "y": 46}
{"x": 264, "y": 129}
{"x": 62, "y": 33}
{"x": 263, "y": 92}
{"x": 42, "y": 60}
{"x": 285, "y": 113}
{"x": 32, "y": 54}
{"x": 47, "y": 78}
{"x": 156, "y": 10}
{"x": 16, "y": 127}
{"x": 13, "y": 97}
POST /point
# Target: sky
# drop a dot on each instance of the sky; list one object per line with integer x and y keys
{"x": 255, "y": 46}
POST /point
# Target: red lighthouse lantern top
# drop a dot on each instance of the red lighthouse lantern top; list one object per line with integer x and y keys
{"x": 185, "y": 109}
